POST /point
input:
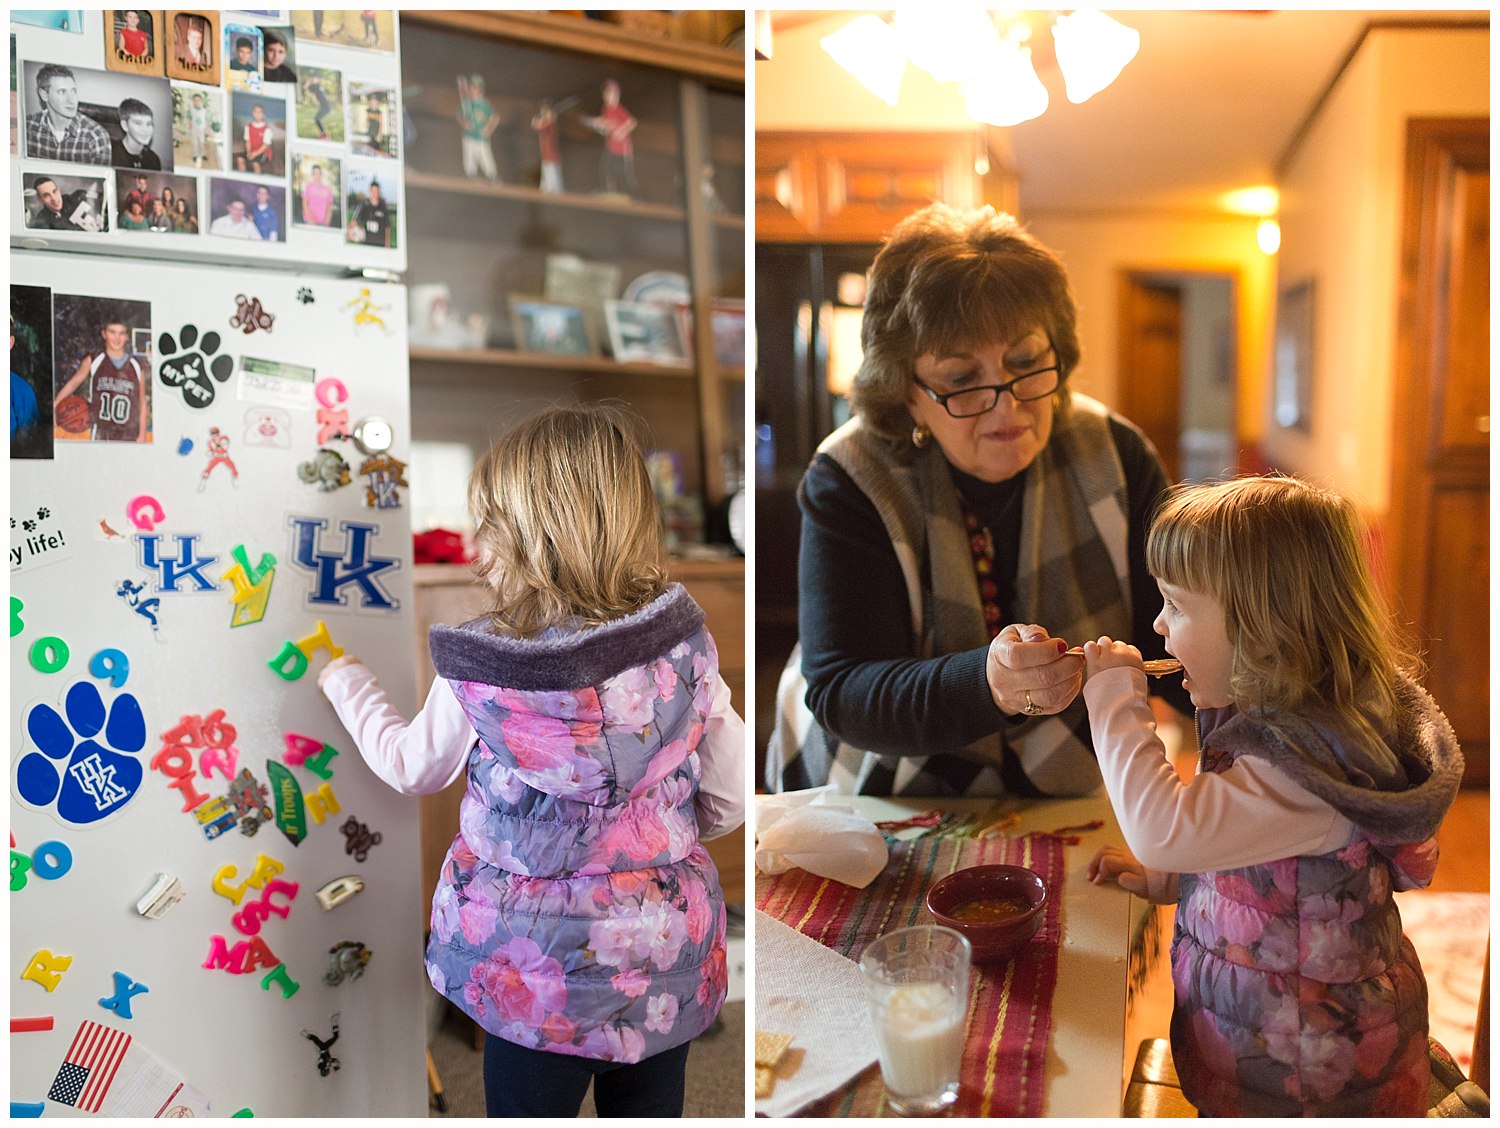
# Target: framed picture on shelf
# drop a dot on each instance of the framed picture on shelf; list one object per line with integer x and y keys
{"x": 727, "y": 316}
{"x": 644, "y": 331}
{"x": 543, "y": 326}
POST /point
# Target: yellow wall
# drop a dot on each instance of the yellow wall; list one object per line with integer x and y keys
{"x": 1097, "y": 248}
{"x": 1341, "y": 216}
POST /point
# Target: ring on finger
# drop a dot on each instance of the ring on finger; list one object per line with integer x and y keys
{"x": 1031, "y": 708}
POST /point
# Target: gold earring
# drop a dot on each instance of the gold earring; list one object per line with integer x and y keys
{"x": 921, "y": 435}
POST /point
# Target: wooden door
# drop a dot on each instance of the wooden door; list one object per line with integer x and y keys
{"x": 1150, "y": 382}
{"x": 1440, "y": 501}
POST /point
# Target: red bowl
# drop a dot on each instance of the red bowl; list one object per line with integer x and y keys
{"x": 992, "y": 940}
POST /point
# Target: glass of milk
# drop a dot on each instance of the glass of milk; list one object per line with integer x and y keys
{"x": 917, "y": 985}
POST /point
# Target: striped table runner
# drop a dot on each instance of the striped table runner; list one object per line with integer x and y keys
{"x": 1010, "y": 1004}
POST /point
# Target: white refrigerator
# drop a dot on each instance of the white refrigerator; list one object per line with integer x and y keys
{"x": 215, "y": 906}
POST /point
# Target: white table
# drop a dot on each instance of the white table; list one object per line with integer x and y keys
{"x": 1086, "y": 1050}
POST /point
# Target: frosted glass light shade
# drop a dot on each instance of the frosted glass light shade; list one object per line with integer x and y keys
{"x": 947, "y": 43}
{"x": 870, "y": 50}
{"x": 1006, "y": 90}
{"x": 1092, "y": 50}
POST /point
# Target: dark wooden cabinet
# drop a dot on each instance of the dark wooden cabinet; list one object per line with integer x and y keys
{"x": 850, "y": 188}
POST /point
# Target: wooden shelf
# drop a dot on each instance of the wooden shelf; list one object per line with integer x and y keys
{"x": 463, "y": 186}
{"x": 515, "y": 358}
{"x": 592, "y": 37}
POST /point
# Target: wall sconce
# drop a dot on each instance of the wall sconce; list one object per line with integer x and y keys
{"x": 1268, "y": 236}
{"x": 1264, "y": 201}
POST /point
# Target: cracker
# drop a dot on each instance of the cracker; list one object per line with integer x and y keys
{"x": 765, "y": 1081}
{"x": 770, "y": 1046}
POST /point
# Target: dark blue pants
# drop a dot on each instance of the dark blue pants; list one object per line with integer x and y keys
{"x": 523, "y": 1082}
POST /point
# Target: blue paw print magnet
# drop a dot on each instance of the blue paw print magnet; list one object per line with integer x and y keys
{"x": 86, "y": 764}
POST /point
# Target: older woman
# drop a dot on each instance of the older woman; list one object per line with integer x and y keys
{"x": 970, "y": 521}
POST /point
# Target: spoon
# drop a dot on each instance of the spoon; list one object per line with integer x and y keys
{"x": 1154, "y": 667}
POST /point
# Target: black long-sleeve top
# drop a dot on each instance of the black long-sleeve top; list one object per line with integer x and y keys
{"x": 855, "y": 626}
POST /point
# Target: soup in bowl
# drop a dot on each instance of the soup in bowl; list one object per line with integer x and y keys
{"x": 998, "y": 907}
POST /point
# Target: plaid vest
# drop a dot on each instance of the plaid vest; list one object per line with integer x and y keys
{"x": 1072, "y": 578}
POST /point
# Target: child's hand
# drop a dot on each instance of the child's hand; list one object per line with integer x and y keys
{"x": 1106, "y": 654}
{"x": 329, "y": 667}
{"x": 1117, "y": 865}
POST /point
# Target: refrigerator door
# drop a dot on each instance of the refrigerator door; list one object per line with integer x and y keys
{"x": 199, "y": 851}
{"x": 299, "y": 157}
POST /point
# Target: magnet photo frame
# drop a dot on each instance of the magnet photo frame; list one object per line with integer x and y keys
{"x": 192, "y": 45}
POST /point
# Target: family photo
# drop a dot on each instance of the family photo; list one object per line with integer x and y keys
{"x": 317, "y": 190}
{"x": 258, "y": 135}
{"x": 198, "y": 126}
{"x": 194, "y": 54}
{"x": 372, "y": 198}
{"x": 157, "y": 202}
{"x": 102, "y": 380}
{"x": 94, "y": 117}
{"x": 246, "y": 209}
{"x": 59, "y": 202}
{"x": 369, "y": 29}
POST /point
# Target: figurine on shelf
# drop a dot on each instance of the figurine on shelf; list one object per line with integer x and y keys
{"x": 615, "y": 124}
{"x": 710, "y": 193}
{"x": 478, "y": 121}
{"x": 545, "y": 124}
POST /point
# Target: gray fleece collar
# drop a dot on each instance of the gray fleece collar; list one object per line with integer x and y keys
{"x": 472, "y": 653}
{"x": 1424, "y": 742}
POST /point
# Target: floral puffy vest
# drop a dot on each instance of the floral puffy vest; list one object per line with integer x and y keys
{"x": 1296, "y": 992}
{"x": 576, "y": 912}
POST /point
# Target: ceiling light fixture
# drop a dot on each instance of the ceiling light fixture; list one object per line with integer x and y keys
{"x": 987, "y": 53}
{"x": 870, "y": 50}
{"x": 948, "y": 43}
{"x": 1092, "y": 50}
{"x": 1007, "y": 91}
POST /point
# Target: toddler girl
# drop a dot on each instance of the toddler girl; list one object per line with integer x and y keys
{"x": 577, "y": 918}
{"x": 1324, "y": 773}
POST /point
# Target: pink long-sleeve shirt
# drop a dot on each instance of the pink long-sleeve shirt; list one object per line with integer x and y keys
{"x": 429, "y": 752}
{"x": 1246, "y": 815}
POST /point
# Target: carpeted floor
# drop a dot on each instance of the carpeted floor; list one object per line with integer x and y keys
{"x": 715, "y": 1074}
{"x": 1450, "y": 932}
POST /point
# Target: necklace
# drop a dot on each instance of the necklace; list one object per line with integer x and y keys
{"x": 982, "y": 549}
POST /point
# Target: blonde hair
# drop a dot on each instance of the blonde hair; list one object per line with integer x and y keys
{"x": 566, "y": 522}
{"x": 1285, "y": 560}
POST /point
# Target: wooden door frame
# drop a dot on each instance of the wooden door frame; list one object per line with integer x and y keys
{"x": 1435, "y": 148}
{"x": 1431, "y": 145}
{"x": 1231, "y": 271}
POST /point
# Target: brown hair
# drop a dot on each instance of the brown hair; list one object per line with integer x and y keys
{"x": 949, "y": 279}
{"x": 567, "y": 524}
{"x": 1285, "y": 560}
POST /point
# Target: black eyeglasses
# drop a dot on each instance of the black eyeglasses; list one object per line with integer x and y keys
{"x": 968, "y": 402}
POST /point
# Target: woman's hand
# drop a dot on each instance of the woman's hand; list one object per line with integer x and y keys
{"x": 1115, "y": 865}
{"x": 329, "y": 667}
{"x": 1032, "y": 673}
{"x": 1106, "y": 654}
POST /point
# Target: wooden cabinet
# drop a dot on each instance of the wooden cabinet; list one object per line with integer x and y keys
{"x": 447, "y": 593}
{"x": 489, "y": 242}
{"x": 850, "y": 188}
